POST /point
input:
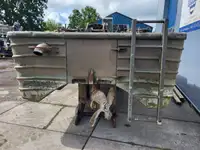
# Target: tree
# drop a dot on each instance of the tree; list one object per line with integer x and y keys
{"x": 51, "y": 25}
{"x": 79, "y": 19}
{"x": 75, "y": 19}
{"x": 29, "y": 13}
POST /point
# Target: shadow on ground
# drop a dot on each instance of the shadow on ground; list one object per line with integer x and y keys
{"x": 142, "y": 117}
{"x": 66, "y": 137}
{"x": 83, "y": 129}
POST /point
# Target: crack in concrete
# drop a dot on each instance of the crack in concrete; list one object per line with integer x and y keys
{"x": 13, "y": 107}
{"x": 2, "y": 140}
{"x": 131, "y": 143}
{"x": 88, "y": 137}
{"x": 37, "y": 128}
{"x": 50, "y": 122}
{"x": 63, "y": 105}
{"x": 90, "y": 134}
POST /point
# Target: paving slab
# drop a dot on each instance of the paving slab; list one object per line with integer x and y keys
{"x": 171, "y": 134}
{"x": 66, "y": 96}
{"x": 6, "y": 105}
{"x": 14, "y": 137}
{"x": 31, "y": 114}
{"x": 101, "y": 144}
{"x": 9, "y": 93}
{"x": 64, "y": 122}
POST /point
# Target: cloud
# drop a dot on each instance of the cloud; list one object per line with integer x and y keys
{"x": 143, "y": 9}
{"x": 59, "y": 17}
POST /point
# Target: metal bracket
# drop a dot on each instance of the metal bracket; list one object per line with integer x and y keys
{"x": 131, "y": 71}
{"x": 119, "y": 49}
{"x": 162, "y": 69}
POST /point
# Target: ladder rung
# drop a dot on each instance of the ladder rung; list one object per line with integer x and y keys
{"x": 148, "y": 46}
{"x": 148, "y": 58}
{"x": 140, "y": 46}
{"x": 124, "y": 45}
{"x": 137, "y": 57}
{"x": 145, "y": 71}
{"x": 150, "y": 21}
{"x": 145, "y": 96}
{"x": 141, "y": 71}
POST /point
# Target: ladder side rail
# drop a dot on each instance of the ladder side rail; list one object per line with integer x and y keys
{"x": 162, "y": 66}
{"x": 162, "y": 70}
{"x": 131, "y": 72}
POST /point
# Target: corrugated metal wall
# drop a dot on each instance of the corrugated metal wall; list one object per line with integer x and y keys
{"x": 38, "y": 76}
{"x": 120, "y": 19}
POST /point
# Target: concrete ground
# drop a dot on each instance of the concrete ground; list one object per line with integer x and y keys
{"x": 49, "y": 124}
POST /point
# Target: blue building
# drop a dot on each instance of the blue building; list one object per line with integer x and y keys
{"x": 120, "y": 19}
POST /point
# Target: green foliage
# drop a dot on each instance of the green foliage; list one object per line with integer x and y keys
{"x": 29, "y": 13}
{"x": 51, "y": 25}
{"x": 75, "y": 19}
{"x": 79, "y": 19}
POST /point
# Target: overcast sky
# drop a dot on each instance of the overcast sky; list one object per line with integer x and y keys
{"x": 59, "y": 10}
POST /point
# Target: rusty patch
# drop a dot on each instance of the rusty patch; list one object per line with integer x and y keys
{"x": 39, "y": 84}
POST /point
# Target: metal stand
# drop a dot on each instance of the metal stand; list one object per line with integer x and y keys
{"x": 162, "y": 67}
{"x": 131, "y": 73}
{"x": 162, "y": 70}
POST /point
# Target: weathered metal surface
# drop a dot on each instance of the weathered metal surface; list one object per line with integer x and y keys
{"x": 147, "y": 69}
{"x": 131, "y": 70}
{"x": 85, "y": 54}
{"x": 38, "y": 76}
{"x": 107, "y": 53}
{"x": 86, "y": 35}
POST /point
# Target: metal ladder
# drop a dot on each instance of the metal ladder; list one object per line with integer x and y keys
{"x": 162, "y": 67}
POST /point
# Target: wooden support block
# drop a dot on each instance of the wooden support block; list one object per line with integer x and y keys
{"x": 176, "y": 99}
{"x": 179, "y": 94}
